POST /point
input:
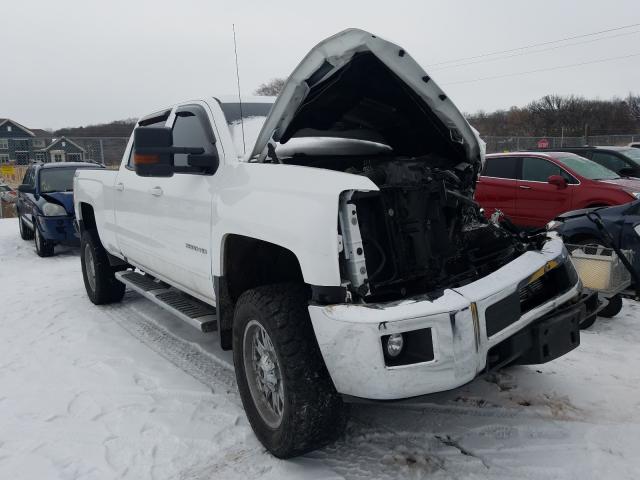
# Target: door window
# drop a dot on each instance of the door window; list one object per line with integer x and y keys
{"x": 191, "y": 129}
{"x": 501, "y": 167}
{"x": 29, "y": 177}
{"x": 610, "y": 161}
{"x": 536, "y": 169}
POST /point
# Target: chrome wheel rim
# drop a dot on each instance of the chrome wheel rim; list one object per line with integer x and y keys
{"x": 90, "y": 267}
{"x": 262, "y": 370}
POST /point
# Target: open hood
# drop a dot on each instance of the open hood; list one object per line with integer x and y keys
{"x": 357, "y": 85}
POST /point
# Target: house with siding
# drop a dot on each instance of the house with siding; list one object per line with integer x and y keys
{"x": 20, "y": 145}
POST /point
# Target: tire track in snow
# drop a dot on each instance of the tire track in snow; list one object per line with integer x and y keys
{"x": 188, "y": 357}
{"x": 372, "y": 447}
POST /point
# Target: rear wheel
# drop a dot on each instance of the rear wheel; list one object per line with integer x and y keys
{"x": 25, "y": 232}
{"x": 44, "y": 247}
{"x": 286, "y": 390}
{"x": 98, "y": 274}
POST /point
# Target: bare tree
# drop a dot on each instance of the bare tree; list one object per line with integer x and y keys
{"x": 272, "y": 88}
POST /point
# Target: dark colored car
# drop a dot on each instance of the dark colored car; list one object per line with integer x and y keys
{"x": 625, "y": 161}
{"x": 7, "y": 194}
{"x": 623, "y": 224}
{"x": 45, "y": 205}
{"x": 533, "y": 188}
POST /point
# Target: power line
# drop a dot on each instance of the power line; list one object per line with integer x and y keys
{"x": 533, "y": 52}
{"x": 559, "y": 67}
{"x": 542, "y": 44}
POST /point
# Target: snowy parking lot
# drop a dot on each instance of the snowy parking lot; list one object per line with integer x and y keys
{"x": 127, "y": 391}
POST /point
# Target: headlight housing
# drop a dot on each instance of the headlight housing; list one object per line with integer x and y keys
{"x": 553, "y": 225}
{"x": 53, "y": 210}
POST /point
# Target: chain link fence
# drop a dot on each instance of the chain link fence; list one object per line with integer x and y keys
{"x": 514, "y": 144}
{"x": 105, "y": 150}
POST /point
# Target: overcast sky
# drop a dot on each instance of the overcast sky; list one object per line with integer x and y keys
{"x": 77, "y": 62}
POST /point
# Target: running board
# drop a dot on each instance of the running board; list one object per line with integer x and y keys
{"x": 192, "y": 311}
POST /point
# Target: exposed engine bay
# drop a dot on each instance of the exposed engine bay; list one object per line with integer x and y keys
{"x": 421, "y": 233}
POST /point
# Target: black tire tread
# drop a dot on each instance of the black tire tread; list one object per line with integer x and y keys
{"x": 47, "y": 246}
{"x": 318, "y": 415}
{"x": 108, "y": 288}
{"x": 613, "y": 308}
{"x": 25, "y": 232}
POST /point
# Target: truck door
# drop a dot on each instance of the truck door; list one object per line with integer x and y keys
{"x": 134, "y": 203}
{"x": 180, "y": 210}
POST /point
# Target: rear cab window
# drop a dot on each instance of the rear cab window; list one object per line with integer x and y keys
{"x": 501, "y": 167}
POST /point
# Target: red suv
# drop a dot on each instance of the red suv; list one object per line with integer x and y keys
{"x": 533, "y": 188}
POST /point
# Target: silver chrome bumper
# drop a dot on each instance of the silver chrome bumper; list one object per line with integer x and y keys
{"x": 349, "y": 335}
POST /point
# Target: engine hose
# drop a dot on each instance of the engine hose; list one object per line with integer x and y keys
{"x": 383, "y": 260}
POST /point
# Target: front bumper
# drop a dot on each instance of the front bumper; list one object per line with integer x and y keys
{"x": 58, "y": 229}
{"x": 349, "y": 335}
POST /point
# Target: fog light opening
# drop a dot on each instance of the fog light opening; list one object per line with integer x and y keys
{"x": 395, "y": 344}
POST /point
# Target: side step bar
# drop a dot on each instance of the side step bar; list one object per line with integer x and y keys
{"x": 192, "y": 311}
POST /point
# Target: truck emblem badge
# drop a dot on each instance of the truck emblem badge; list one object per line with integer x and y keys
{"x": 197, "y": 249}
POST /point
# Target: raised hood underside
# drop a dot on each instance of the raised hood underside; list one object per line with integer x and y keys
{"x": 356, "y": 85}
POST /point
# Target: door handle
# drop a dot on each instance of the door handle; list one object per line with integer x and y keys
{"x": 120, "y": 186}
{"x": 156, "y": 191}
{"x": 525, "y": 187}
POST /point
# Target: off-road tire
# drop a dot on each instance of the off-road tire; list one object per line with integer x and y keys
{"x": 25, "y": 232}
{"x": 613, "y": 308}
{"x": 314, "y": 413}
{"x": 44, "y": 247}
{"x": 106, "y": 288}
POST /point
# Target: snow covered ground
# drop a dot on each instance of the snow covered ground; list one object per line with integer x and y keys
{"x": 127, "y": 391}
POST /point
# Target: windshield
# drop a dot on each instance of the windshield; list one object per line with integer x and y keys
{"x": 633, "y": 154}
{"x": 254, "y": 115}
{"x": 587, "y": 168}
{"x": 56, "y": 180}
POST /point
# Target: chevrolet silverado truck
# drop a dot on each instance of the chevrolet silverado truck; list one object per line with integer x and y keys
{"x": 329, "y": 238}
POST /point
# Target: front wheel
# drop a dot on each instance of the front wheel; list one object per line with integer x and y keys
{"x": 44, "y": 247}
{"x": 613, "y": 307}
{"x": 98, "y": 274}
{"x": 25, "y": 232}
{"x": 286, "y": 390}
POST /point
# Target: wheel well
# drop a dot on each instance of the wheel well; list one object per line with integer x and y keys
{"x": 249, "y": 263}
{"x": 580, "y": 237}
{"x": 88, "y": 219}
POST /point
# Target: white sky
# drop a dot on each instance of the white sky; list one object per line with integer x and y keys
{"x": 77, "y": 62}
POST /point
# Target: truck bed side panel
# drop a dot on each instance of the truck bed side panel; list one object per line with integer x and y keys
{"x": 95, "y": 187}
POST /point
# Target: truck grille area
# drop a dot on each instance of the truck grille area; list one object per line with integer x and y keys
{"x": 530, "y": 295}
{"x": 553, "y": 283}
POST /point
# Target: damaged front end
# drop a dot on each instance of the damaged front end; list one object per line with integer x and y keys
{"x": 420, "y": 233}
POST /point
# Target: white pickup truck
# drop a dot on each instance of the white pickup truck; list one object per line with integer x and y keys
{"x": 342, "y": 256}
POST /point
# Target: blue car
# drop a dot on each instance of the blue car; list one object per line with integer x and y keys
{"x": 45, "y": 205}
{"x": 623, "y": 224}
